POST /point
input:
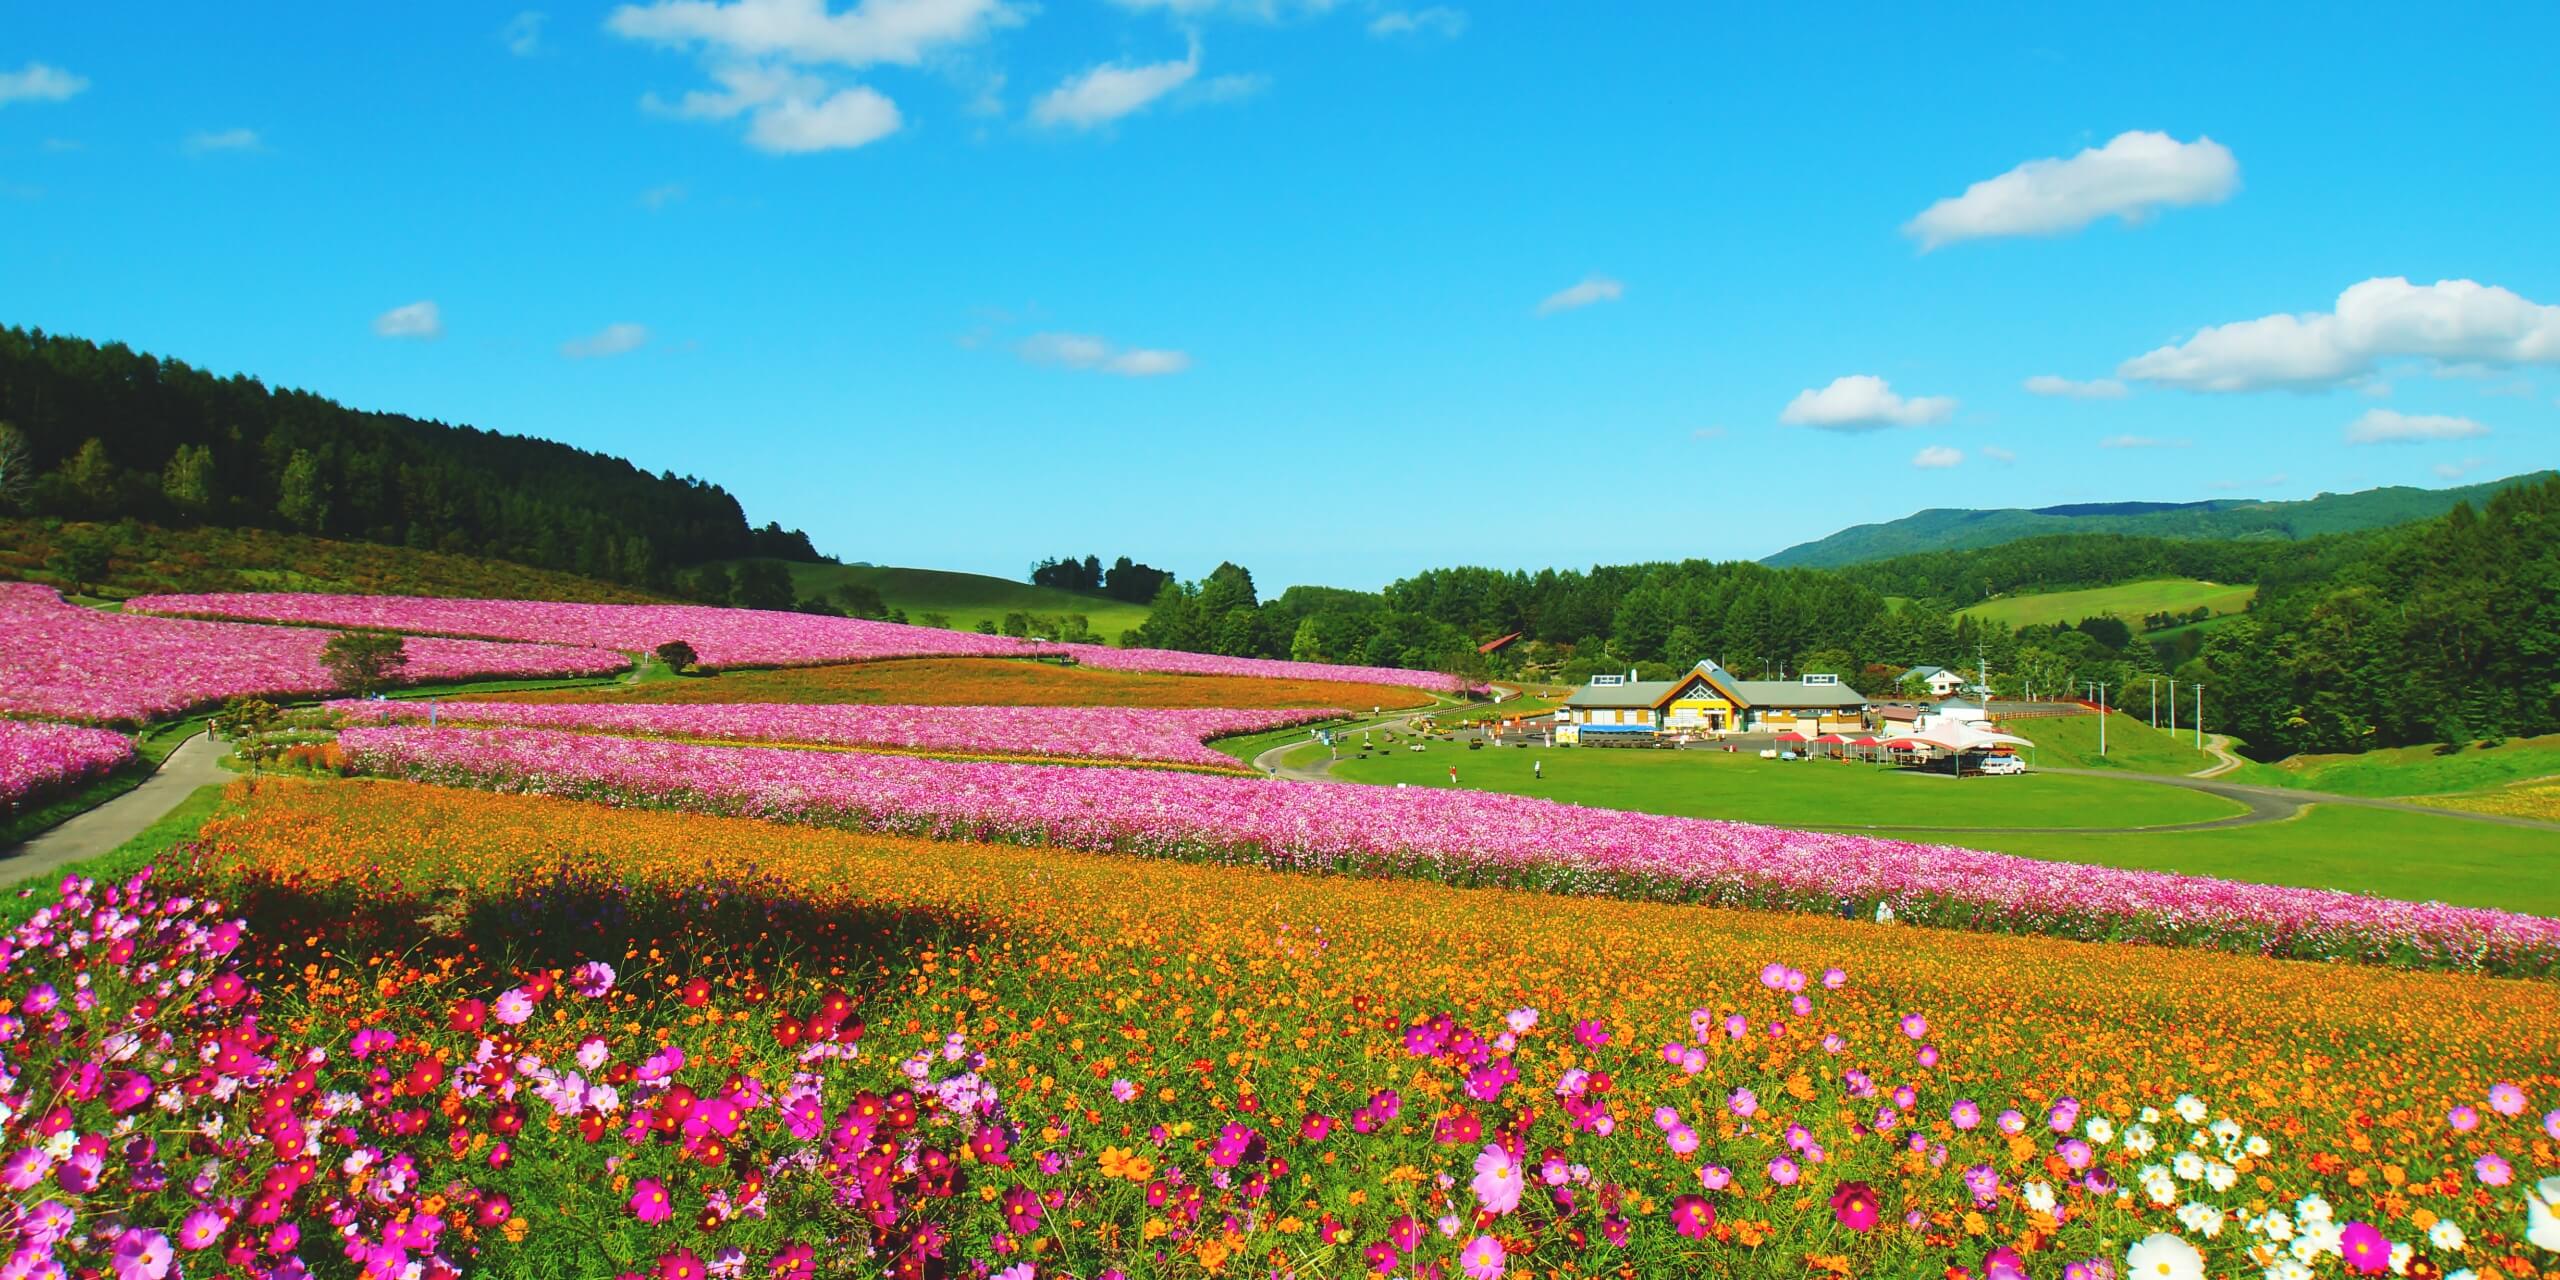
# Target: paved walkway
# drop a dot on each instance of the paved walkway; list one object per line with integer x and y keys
{"x": 2218, "y": 745}
{"x": 196, "y": 763}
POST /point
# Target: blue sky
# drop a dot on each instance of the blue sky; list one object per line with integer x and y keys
{"x": 1338, "y": 291}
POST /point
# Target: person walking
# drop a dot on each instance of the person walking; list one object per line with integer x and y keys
{"x": 1453, "y": 775}
{"x": 1537, "y": 770}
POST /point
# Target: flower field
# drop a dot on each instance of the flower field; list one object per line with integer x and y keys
{"x": 1464, "y": 837}
{"x": 64, "y": 662}
{"x": 37, "y": 758}
{"x": 727, "y": 637}
{"x": 1100, "y": 733}
{"x": 1030, "y": 1063}
{"x": 995, "y": 682}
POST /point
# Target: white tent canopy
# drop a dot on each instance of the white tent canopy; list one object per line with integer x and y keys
{"x": 1958, "y": 736}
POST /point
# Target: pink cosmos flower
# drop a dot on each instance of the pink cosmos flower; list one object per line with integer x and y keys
{"x": 2463, "y": 1119}
{"x": 1783, "y": 1171}
{"x": 2506, "y": 1099}
{"x": 141, "y": 1255}
{"x": 592, "y": 979}
{"x": 1693, "y": 1216}
{"x": 512, "y": 1007}
{"x": 1715, "y": 1177}
{"x": 1743, "y": 1102}
{"x": 1914, "y": 1025}
{"x": 1123, "y": 1091}
{"x": 2493, "y": 1170}
{"x": 1482, "y": 1258}
{"x": 201, "y": 1228}
{"x": 1965, "y": 1114}
{"x": 1834, "y": 979}
{"x": 1497, "y": 1180}
{"x": 649, "y": 1201}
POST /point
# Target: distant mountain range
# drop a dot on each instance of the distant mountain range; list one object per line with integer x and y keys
{"x": 1957, "y": 529}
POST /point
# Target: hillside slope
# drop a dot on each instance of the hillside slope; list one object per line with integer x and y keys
{"x": 964, "y": 598}
{"x": 1947, "y": 529}
{"x": 2131, "y": 601}
{"x": 144, "y": 559}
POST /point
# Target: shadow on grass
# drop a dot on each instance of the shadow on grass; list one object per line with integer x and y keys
{"x": 739, "y": 930}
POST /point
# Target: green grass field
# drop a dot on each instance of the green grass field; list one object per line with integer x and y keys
{"x": 967, "y": 598}
{"x": 1744, "y": 787}
{"x": 2377, "y": 851}
{"x": 2401, "y": 855}
{"x": 2126, "y": 600}
{"x": 2414, "y": 771}
{"x": 2071, "y": 742}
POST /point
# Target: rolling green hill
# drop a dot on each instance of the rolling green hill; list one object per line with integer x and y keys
{"x": 966, "y": 598}
{"x": 143, "y": 559}
{"x": 2127, "y": 600}
{"x": 1946, "y": 529}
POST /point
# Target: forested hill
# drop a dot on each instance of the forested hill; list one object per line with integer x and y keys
{"x": 110, "y": 433}
{"x": 1952, "y": 529}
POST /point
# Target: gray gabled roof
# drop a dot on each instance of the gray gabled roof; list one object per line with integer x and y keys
{"x": 1790, "y": 693}
{"x": 1637, "y": 693}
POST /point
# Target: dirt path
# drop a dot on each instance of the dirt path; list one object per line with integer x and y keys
{"x": 196, "y": 763}
{"x": 2218, "y": 746}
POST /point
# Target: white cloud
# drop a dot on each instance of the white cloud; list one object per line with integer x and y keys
{"x": 224, "y": 140}
{"x": 416, "y": 320}
{"x": 1860, "y": 402}
{"x": 1437, "y": 20}
{"x": 846, "y": 118}
{"x": 1937, "y": 457}
{"x": 2130, "y": 177}
{"x": 2383, "y": 426}
{"x": 2520, "y": 388}
{"x": 1232, "y": 88}
{"x": 523, "y": 33}
{"x": 612, "y": 340}
{"x": 2451, "y": 321}
{"x": 1575, "y": 297}
{"x": 1998, "y": 454}
{"x": 2140, "y": 442}
{"x": 1101, "y": 94}
{"x": 2046, "y": 384}
{"x": 809, "y": 32}
{"x": 1084, "y": 351}
{"x": 2457, "y": 470}
{"x": 37, "y": 82}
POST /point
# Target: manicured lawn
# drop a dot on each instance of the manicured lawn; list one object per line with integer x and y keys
{"x": 2126, "y": 600}
{"x": 2415, "y": 771}
{"x": 1743, "y": 787}
{"x": 2132, "y": 744}
{"x": 967, "y": 598}
{"x": 2377, "y": 851}
{"x": 948, "y": 682}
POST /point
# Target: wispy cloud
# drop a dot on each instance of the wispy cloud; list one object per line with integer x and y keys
{"x": 419, "y": 319}
{"x": 612, "y": 340}
{"x": 2141, "y": 442}
{"x": 1937, "y": 457}
{"x": 37, "y": 82}
{"x": 2383, "y": 426}
{"x": 2046, "y": 384}
{"x": 1098, "y": 95}
{"x": 523, "y": 33}
{"x": 1593, "y": 289}
{"x": 2457, "y": 470}
{"x": 1084, "y": 351}
{"x": 1434, "y": 20}
{"x": 2132, "y": 176}
{"x": 224, "y": 140}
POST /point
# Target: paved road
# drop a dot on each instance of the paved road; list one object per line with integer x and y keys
{"x": 2218, "y": 745}
{"x": 196, "y": 763}
{"x": 2283, "y": 802}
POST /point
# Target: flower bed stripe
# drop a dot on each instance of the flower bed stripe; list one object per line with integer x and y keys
{"x": 36, "y": 759}
{"x": 1097, "y": 733}
{"x": 729, "y": 637}
{"x": 1466, "y": 837}
{"x": 60, "y": 661}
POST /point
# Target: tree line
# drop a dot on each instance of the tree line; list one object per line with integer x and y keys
{"x": 102, "y": 432}
{"x": 1126, "y": 580}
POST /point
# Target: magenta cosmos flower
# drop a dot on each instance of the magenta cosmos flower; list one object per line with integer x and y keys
{"x": 201, "y": 1228}
{"x": 1482, "y": 1258}
{"x": 1497, "y": 1180}
{"x": 649, "y": 1201}
{"x": 2363, "y": 1249}
{"x": 1693, "y": 1216}
{"x": 1854, "y": 1205}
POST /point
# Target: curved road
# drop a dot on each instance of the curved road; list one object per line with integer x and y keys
{"x": 196, "y": 763}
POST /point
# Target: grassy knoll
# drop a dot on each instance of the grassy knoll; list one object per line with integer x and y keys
{"x": 2415, "y": 771}
{"x": 965, "y": 598}
{"x": 2126, "y": 600}
{"x": 993, "y": 682}
{"x": 2132, "y": 745}
{"x": 146, "y": 558}
{"x": 2396, "y": 855}
{"x": 1713, "y": 784}
{"x": 2400, "y": 855}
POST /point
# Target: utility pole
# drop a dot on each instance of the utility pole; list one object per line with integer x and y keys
{"x": 2173, "y": 705}
{"x": 2155, "y": 702}
{"x": 2102, "y": 719}
{"x": 2199, "y": 715}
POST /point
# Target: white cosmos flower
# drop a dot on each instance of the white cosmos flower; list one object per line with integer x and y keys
{"x": 2188, "y": 1166}
{"x": 2151, "y": 1115}
{"x": 2201, "y": 1218}
{"x": 2311, "y": 1209}
{"x": 2256, "y": 1146}
{"x": 2278, "y": 1227}
{"x": 2289, "y": 1269}
{"x": 2101, "y": 1130}
{"x": 2542, "y": 1213}
{"x": 2163, "y": 1256}
{"x": 2226, "y": 1131}
{"x": 2220, "y": 1176}
{"x": 2445, "y": 1235}
{"x": 2139, "y": 1139}
{"x": 2038, "y": 1195}
{"x": 2190, "y": 1108}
